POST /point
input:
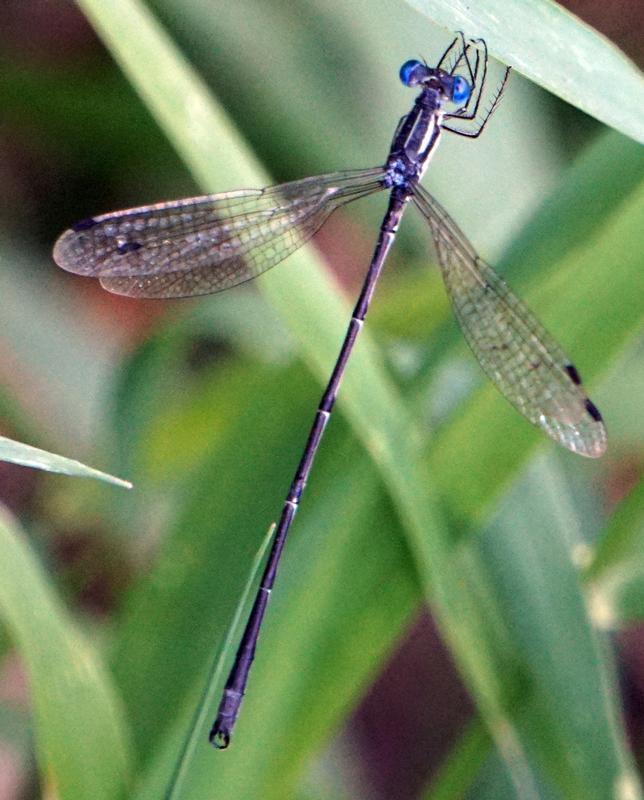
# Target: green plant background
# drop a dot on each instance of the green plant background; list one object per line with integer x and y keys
{"x": 428, "y": 487}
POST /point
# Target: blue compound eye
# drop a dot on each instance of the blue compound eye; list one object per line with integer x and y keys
{"x": 409, "y": 72}
{"x": 460, "y": 90}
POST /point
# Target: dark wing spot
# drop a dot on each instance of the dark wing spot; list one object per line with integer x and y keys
{"x": 84, "y": 224}
{"x": 592, "y": 409}
{"x": 573, "y": 375}
{"x": 128, "y": 247}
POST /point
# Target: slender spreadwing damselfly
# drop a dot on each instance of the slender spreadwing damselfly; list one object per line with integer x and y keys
{"x": 203, "y": 245}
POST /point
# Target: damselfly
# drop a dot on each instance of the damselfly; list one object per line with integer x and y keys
{"x": 207, "y": 244}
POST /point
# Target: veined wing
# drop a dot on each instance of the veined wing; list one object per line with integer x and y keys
{"x": 206, "y": 244}
{"x": 514, "y": 349}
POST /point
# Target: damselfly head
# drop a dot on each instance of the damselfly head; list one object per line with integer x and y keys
{"x": 454, "y": 87}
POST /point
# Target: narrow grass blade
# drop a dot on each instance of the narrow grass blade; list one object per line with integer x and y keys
{"x": 206, "y": 708}
{"x": 615, "y": 577}
{"x": 28, "y": 456}
{"x": 82, "y": 741}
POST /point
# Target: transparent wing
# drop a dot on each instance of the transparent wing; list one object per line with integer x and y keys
{"x": 514, "y": 349}
{"x": 206, "y": 244}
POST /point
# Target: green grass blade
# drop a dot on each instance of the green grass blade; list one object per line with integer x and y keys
{"x": 212, "y": 691}
{"x": 555, "y": 49}
{"x": 28, "y": 456}
{"x": 462, "y": 765}
{"x": 568, "y": 717}
{"x": 81, "y": 737}
{"x": 616, "y": 574}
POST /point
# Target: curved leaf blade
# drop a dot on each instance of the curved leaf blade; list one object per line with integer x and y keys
{"x": 555, "y": 49}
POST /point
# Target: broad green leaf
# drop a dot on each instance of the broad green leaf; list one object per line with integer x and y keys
{"x": 555, "y": 49}
{"x": 81, "y": 736}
